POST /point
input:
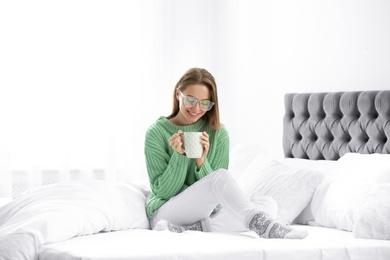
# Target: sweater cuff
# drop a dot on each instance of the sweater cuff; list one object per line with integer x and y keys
{"x": 204, "y": 170}
{"x": 179, "y": 159}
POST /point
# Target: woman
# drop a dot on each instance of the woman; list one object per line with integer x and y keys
{"x": 188, "y": 194}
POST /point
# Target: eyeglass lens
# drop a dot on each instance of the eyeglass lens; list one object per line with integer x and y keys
{"x": 205, "y": 105}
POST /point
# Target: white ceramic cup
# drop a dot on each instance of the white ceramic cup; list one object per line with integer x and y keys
{"x": 192, "y": 144}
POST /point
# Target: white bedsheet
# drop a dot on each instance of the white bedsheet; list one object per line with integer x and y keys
{"x": 322, "y": 243}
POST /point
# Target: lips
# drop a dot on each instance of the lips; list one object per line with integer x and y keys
{"x": 193, "y": 114}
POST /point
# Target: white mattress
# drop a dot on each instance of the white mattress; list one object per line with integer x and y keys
{"x": 322, "y": 243}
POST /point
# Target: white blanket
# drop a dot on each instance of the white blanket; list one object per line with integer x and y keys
{"x": 61, "y": 211}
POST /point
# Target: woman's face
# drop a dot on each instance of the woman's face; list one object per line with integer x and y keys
{"x": 189, "y": 115}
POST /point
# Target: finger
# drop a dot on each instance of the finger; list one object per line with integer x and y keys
{"x": 204, "y": 139}
{"x": 173, "y": 137}
{"x": 204, "y": 142}
{"x": 174, "y": 143}
{"x": 206, "y": 146}
{"x": 179, "y": 147}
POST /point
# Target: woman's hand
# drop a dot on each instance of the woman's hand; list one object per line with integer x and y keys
{"x": 206, "y": 146}
{"x": 176, "y": 142}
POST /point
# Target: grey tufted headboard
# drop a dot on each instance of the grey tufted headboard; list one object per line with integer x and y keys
{"x": 327, "y": 125}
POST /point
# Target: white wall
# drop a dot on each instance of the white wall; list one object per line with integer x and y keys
{"x": 80, "y": 81}
{"x": 303, "y": 46}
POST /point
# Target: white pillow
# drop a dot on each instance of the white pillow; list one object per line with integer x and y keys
{"x": 373, "y": 220}
{"x": 326, "y": 167}
{"x": 338, "y": 200}
{"x": 291, "y": 187}
{"x": 263, "y": 160}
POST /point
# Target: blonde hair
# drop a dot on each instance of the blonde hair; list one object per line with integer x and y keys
{"x": 202, "y": 77}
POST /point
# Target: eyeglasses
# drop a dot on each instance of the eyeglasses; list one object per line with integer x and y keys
{"x": 189, "y": 101}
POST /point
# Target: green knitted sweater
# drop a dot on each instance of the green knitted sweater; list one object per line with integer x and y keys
{"x": 170, "y": 172}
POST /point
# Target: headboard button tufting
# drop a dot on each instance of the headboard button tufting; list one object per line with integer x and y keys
{"x": 338, "y": 122}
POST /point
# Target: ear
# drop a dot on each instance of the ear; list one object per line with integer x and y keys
{"x": 177, "y": 95}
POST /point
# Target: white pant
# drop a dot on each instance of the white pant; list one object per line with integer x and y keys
{"x": 198, "y": 201}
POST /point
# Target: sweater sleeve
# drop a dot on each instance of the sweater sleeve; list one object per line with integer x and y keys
{"x": 166, "y": 172}
{"x": 219, "y": 158}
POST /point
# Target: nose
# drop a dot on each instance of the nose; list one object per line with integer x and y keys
{"x": 197, "y": 108}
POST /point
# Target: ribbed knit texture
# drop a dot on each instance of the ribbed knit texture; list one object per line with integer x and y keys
{"x": 170, "y": 172}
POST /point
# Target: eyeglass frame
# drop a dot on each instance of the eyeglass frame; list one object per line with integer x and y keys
{"x": 197, "y": 101}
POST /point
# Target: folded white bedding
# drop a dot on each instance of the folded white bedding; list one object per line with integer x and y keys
{"x": 61, "y": 211}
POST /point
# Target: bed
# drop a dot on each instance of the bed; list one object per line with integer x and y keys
{"x": 332, "y": 181}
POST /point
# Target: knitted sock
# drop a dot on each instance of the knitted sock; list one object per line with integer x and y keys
{"x": 165, "y": 225}
{"x": 265, "y": 227}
